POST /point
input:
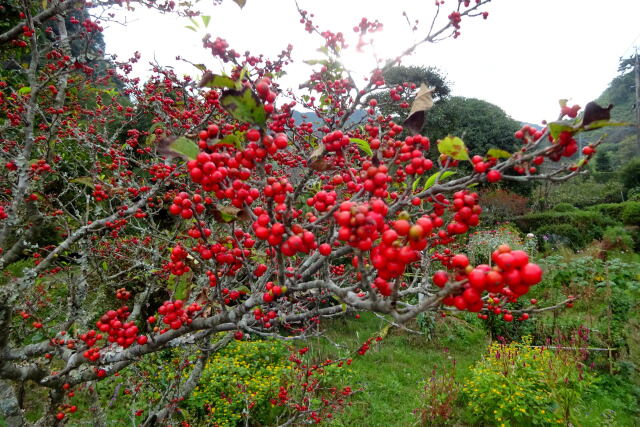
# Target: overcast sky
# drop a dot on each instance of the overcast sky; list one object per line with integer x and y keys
{"x": 525, "y": 57}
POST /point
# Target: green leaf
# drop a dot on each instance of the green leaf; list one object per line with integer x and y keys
{"x": 556, "y": 128}
{"x": 24, "y": 90}
{"x": 152, "y": 135}
{"x": 432, "y": 178}
{"x": 205, "y": 20}
{"x": 244, "y": 105}
{"x": 178, "y": 147}
{"x": 105, "y": 267}
{"x": 498, "y": 154}
{"x": 605, "y": 123}
{"x": 453, "y": 147}
{"x": 231, "y": 139}
{"x": 191, "y": 28}
{"x": 214, "y": 80}
{"x": 316, "y": 62}
{"x": 415, "y": 183}
{"x": 363, "y": 145}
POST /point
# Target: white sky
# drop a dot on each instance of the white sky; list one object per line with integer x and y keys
{"x": 525, "y": 57}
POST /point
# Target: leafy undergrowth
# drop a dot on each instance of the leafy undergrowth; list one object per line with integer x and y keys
{"x": 390, "y": 377}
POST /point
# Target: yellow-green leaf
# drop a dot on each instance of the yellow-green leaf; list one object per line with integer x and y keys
{"x": 498, "y": 154}
{"x": 432, "y": 178}
{"x": 363, "y": 145}
{"x": 453, "y": 147}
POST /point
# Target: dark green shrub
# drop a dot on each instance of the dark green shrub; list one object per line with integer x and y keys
{"x": 564, "y": 207}
{"x": 578, "y": 227}
{"x": 617, "y": 238}
{"x": 631, "y": 213}
{"x": 630, "y": 174}
{"x": 614, "y": 210}
{"x": 550, "y": 236}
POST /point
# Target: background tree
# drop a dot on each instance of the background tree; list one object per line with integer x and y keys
{"x": 483, "y": 124}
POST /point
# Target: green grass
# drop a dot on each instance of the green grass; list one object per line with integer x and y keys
{"x": 390, "y": 374}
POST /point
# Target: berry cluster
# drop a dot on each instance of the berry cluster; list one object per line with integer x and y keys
{"x": 263, "y": 317}
{"x": 323, "y": 201}
{"x": 123, "y": 294}
{"x": 467, "y": 214}
{"x": 177, "y": 265}
{"x": 528, "y": 134}
{"x": 99, "y": 193}
{"x": 264, "y": 230}
{"x": 409, "y": 152}
{"x": 375, "y": 179}
{"x": 361, "y": 224}
{"x": 511, "y": 277}
{"x": 184, "y": 206}
{"x": 121, "y": 332}
{"x": 572, "y": 112}
{"x": 266, "y": 94}
{"x": 174, "y": 314}
{"x": 335, "y": 141}
{"x": 480, "y": 165}
{"x": 566, "y": 146}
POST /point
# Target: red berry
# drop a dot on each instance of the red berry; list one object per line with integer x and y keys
{"x": 494, "y": 175}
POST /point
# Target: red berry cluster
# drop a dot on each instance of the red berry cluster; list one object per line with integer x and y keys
{"x": 266, "y": 94}
{"x": 177, "y": 265}
{"x": 361, "y": 224}
{"x": 232, "y": 295}
{"x": 367, "y": 345}
{"x": 184, "y": 206}
{"x": 39, "y": 167}
{"x": 123, "y": 294}
{"x": 121, "y": 332}
{"x": 512, "y": 276}
{"x": 299, "y": 240}
{"x": 375, "y": 179}
{"x": 418, "y": 163}
{"x": 467, "y": 210}
{"x": 90, "y": 339}
{"x": 572, "y": 112}
{"x": 335, "y": 141}
{"x": 174, "y": 314}
{"x": 566, "y": 146}
{"x": 323, "y": 200}
{"x": 481, "y": 166}
{"x": 195, "y": 233}
{"x": 528, "y": 133}
{"x": 277, "y": 189}
{"x": 265, "y": 318}
{"x": 99, "y": 193}
{"x": 211, "y": 131}
{"x": 263, "y": 230}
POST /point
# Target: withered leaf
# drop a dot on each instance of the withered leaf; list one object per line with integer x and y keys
{"x": 316, "y": 160}
{"x": 422, "y": 104}
{"x": 229, "y": 213}
{"x": 593, "y": 113}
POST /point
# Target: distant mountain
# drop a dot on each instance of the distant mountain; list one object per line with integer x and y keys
{"x": 311, "y": 117}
